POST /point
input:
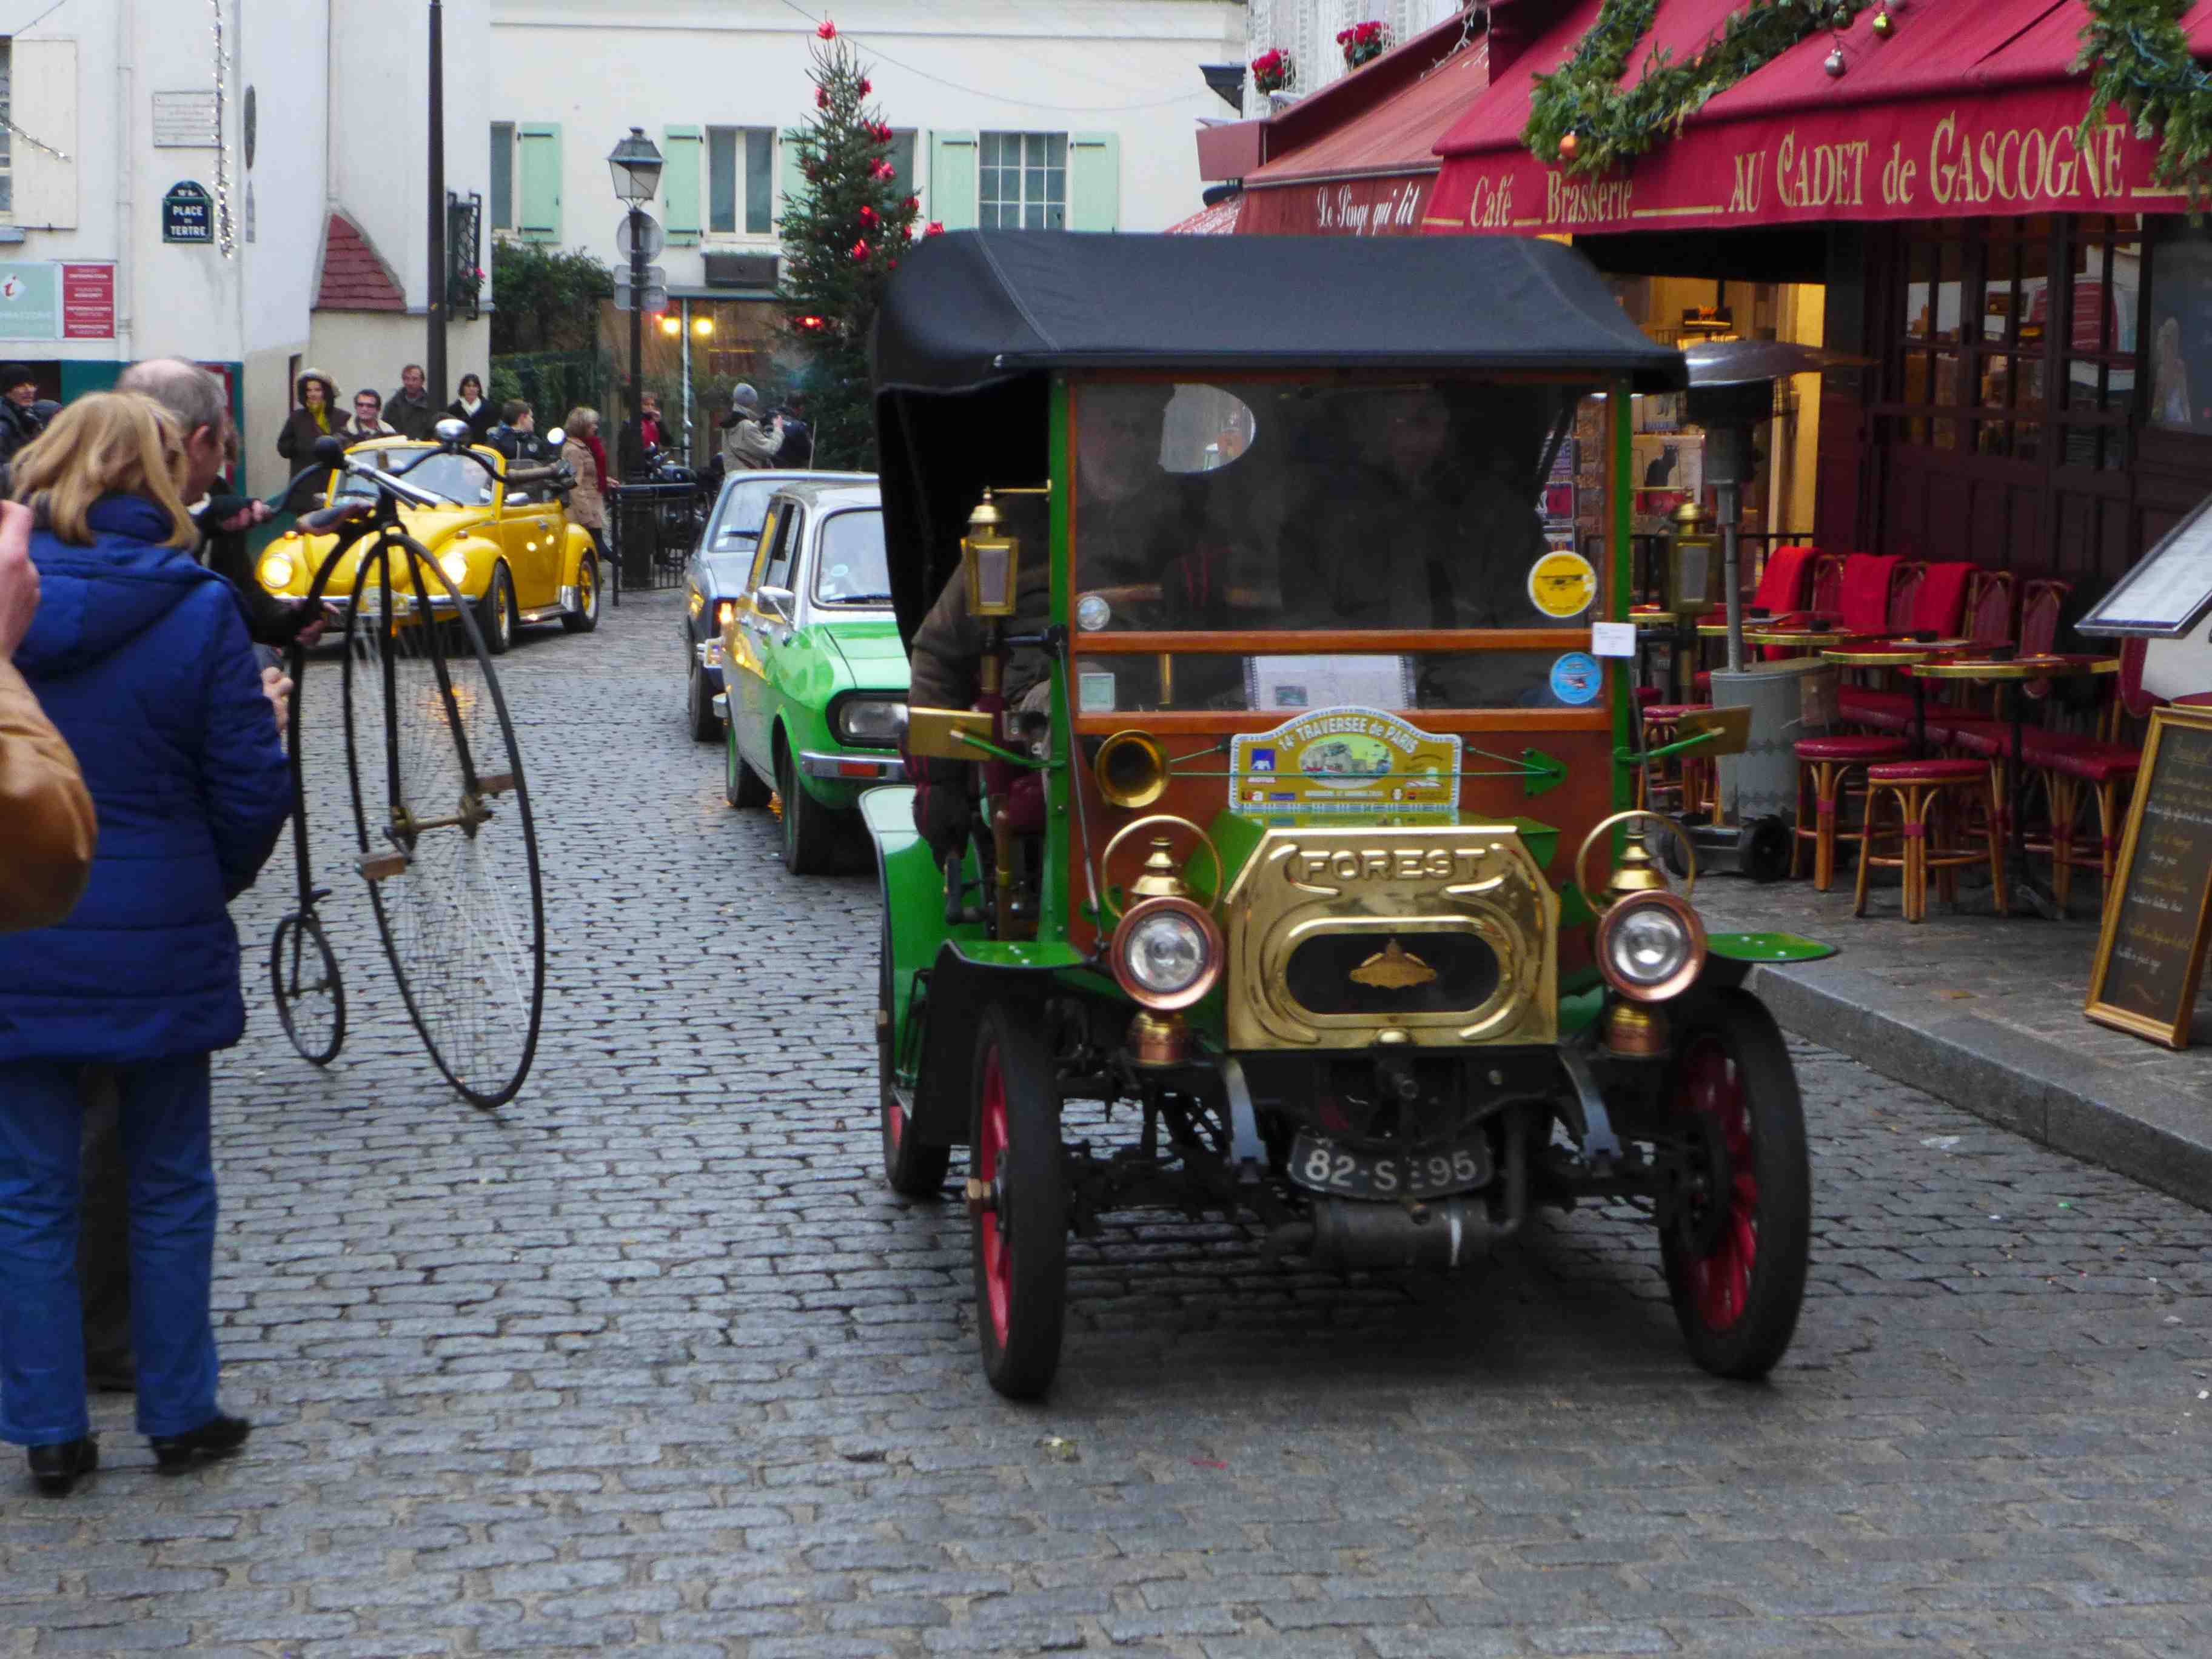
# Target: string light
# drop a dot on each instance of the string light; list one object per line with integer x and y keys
{"x": 225, "y": 239}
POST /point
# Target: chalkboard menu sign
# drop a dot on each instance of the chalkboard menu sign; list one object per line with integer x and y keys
{"x": 2151, "y": 953}
{"x": 2168, "y": 591}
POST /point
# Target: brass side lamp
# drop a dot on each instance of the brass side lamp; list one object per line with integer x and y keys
{"x": 991, "y": 560}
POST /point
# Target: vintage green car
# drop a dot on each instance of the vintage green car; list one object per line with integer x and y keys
{"x": 813, "y": 671}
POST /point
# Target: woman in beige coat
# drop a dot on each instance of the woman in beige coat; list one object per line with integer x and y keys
{"x": 587, "y": 507}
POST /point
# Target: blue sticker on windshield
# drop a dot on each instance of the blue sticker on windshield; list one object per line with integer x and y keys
{"x": 1576, "y": 677}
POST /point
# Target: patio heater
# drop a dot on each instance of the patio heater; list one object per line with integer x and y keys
{"x": 1731, "y": 391}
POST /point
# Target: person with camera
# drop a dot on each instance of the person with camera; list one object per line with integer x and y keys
{"x": 752, "y": 437}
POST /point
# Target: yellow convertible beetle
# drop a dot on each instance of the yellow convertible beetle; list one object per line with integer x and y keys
{"x": 509, "y": 549}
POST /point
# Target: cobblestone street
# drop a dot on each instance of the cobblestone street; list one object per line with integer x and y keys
{"x": 651, "y": 1361}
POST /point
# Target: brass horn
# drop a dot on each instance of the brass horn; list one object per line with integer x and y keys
{"x": 1132, "y": 770}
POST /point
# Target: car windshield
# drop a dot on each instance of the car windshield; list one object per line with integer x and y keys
{"x": 850, "y": 568}
{"x": 1264, "y": 506}
{"x": 456, "y": 478}
{"x": 744, "y": 504}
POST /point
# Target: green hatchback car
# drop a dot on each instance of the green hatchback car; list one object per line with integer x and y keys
{"x": 814, "y": 676}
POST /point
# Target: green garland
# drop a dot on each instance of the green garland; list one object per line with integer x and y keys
{"x": 2137, "y": 50}
{"x": 1611, "y": 126}
{"x": 2141, "y": 61}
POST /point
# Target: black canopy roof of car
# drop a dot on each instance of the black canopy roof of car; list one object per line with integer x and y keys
{"x": 975, "y": 322}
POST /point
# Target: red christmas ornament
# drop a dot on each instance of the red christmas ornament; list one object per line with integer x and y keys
{"x": 822, "y": 98}
{"x": 912, "y": 203}
{"x": 867, "y": 216}
{"x": 883, "y": 169}
{"x": 859, "y": 252}
{"x": 934, "y": 228}
{"x": 866, "y": 87}
{"x": 828, "y": 30}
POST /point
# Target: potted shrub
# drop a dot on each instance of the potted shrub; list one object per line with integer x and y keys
{"x": 1363, "y": 43}
{"x": 1274, "y": 71}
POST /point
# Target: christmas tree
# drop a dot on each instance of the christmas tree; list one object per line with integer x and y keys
{"x": 842, "y": 238}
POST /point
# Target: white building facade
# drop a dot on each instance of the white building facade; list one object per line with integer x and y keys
{"x": 173, "y": 170}
{"x": 1064, "y": 113}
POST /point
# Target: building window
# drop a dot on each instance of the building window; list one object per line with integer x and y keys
{"x": 2017, "y": 338}
{"x": 740, "y": 158}
{"x": 503, "y": 175}
{"x": 1024, "y": 182}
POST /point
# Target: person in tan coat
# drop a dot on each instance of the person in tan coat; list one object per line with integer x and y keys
{"x": 47, "y": 823}
{"x": 587, "y": 507}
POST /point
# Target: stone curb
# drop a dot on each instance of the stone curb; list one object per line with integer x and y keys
{"x": 2026, "y": 1083}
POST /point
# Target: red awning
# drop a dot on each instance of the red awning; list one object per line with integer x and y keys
{"x": 1969, "y": 108}
{"x": 1219, "y": 220}
{"x": 1372, "y": 175}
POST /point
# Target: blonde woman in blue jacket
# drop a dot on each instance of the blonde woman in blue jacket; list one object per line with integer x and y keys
{"x": 141, "y": 659}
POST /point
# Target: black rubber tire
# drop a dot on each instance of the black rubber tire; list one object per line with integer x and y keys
{"x": 586, "y": 617}
{"x": 303, "y": 977}
{"x": 496, "y": 613}
{"x": 913, "y": 1170}
{"x": 699, "y": 707}
{"x": 1020, "y": 1341}
{"x": 1728, "y": 1049}
{"x": 809, "y": 842}
{"x": 741, "y": 785}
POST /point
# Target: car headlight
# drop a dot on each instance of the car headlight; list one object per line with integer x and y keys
{"x": 276, "y": 570}
{"x": 1166, "y": 953}
{"x": 724, "y": 610}
{"x": 455, "y": 564}
{"x": 870, "y": 722}
{"x": 1650, "y": 947}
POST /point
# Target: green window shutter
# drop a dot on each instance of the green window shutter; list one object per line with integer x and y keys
{"x": 679, "y": 183}
{"x": 952, "y": 179}
{"x": 539, "y": 218}
{"x": 1094, "y": 181}
{"x": 791, "y": 182}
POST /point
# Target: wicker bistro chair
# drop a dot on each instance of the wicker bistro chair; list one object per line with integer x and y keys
{"x": 1929, "y": 796}
{"x": 2076, "y": 769}
{"x": 1688, "y": 780}
{"x": 1827, "y": 764}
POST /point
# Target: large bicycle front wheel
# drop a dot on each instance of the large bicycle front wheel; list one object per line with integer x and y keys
{"x": 442, "y": 812}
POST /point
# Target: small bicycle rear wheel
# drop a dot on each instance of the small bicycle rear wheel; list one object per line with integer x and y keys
{"x": 303, "y": 974}
{"x": 442, "y": 812}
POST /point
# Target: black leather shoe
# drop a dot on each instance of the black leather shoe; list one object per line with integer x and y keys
{"x": 219, "y": 1436}
{"x": 55, "y": 1468}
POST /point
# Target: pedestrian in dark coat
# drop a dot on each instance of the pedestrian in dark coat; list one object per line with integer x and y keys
{"x": 140, "y": 659}
{"x": 472, "y": 407}
{"x": 409, "y": 409}
{"x": 317, "y": 417}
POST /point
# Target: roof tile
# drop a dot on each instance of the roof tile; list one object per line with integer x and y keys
{"x": 355, "y": 277}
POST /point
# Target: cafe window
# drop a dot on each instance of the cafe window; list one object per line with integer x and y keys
{"x": 2015, "y": 339}
{"x": 2179, "y": 324}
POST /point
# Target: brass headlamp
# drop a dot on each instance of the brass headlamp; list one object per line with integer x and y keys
{"x": 991, "y": 560}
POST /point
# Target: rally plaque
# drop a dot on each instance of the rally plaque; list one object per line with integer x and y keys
{"x": 2151, "y": 953}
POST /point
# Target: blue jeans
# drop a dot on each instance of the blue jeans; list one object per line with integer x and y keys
{"x": 170, "y": 1167}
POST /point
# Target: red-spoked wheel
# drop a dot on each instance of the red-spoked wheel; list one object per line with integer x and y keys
{"x": 1736, "y": 1236}
{"x": 913, "y": 1170}
{"x": 1017, "y": 1204}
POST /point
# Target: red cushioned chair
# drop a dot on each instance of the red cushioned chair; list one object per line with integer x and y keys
{"x": 1864, "y": 603}
{"x": 1694, "y": 785}
{"x": 1827, "y": 599}
{"x": 1904, "y": 584}
{"x": 1826, "y": 764}
{"x": 1988, "y": 618}
{"x": 2076, "y": 769}
{"x": 1923, "y": 790}
{"x": 1784, "y": 587}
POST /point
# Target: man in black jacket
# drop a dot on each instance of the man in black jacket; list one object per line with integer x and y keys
{"x": 19, "y": 419}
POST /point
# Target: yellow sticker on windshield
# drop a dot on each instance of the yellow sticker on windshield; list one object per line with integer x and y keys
{"x": 1562, "y": 584}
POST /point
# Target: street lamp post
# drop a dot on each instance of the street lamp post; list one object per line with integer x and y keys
{"x": 636, "y": 164}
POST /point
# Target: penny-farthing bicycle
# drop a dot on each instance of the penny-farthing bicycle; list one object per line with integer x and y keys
{"x": 441, "y": 810}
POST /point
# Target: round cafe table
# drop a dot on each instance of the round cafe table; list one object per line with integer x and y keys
{"x": 2008, "y": 675}
{"x": 1808, "y": 639}
{"x": 1897, "y": 654}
